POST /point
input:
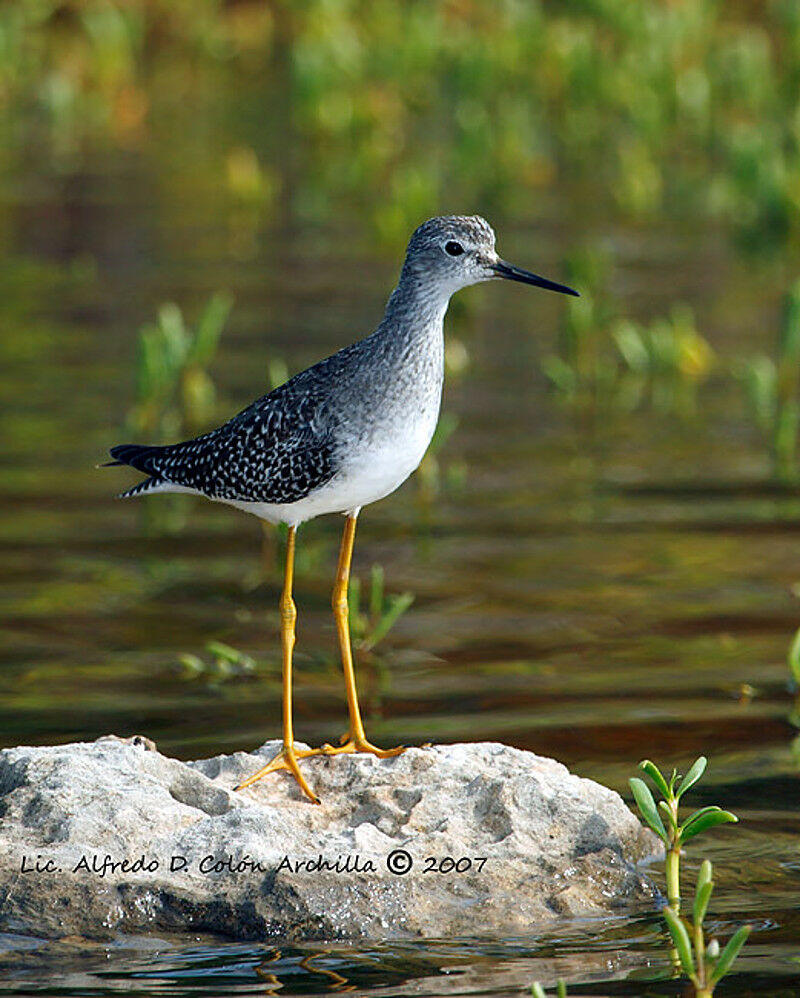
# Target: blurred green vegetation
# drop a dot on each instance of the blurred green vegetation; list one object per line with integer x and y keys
{"x": 607, "y": 359}
{"x": 175, "y": 396}
{"x": 225, "y": 663}
{"x": 402, "y": 107}
{"x": 372, "y": 618}
{"x": 771, "y": 386}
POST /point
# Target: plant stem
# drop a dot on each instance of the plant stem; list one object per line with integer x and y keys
{"x": 673, "y": 866}
{"x": 700, "y": 960}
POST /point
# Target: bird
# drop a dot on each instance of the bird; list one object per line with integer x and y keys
{"x": 337, "y": 437}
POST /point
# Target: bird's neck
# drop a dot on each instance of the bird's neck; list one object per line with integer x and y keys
{"x": 416, "y": 307}
{"x": 410, "y": 339}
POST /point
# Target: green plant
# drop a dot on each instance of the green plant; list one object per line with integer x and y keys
{"x": 582, "y": 370}
{"x": 174, "y": 392}
{"x": 225, "y": 663}
{"x": 668, "y": 357}
{"x": 793, "y": 661}
{"x": 669, "y": 829}
{"x": 793, "y": 658}
{"x": 431, "y": 473}
{"x": 277, "y": 372}
{"x": 539, "y": 992}
{"x": 370, "y": 624}
{"x": 703, "y": 963}
{"x": 772, "y": 386}
{"x": 605, "y": 358}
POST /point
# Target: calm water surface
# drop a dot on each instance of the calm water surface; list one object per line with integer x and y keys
{"x": 600, "y": 593}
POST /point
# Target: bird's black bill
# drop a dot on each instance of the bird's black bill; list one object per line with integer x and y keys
{"x": 503, "y": 269}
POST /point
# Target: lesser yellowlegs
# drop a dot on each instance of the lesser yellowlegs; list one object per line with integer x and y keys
{"x": 343, "y": 434}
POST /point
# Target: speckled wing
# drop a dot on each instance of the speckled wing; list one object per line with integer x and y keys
{"x": 278, "y": 450}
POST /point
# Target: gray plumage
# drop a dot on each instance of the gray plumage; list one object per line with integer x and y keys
{"x": 354, "y": 426}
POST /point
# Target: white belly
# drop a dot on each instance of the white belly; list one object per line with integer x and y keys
{"x": 373, "y": 473}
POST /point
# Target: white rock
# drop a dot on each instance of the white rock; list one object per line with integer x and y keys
{"x": 499, "y": 841}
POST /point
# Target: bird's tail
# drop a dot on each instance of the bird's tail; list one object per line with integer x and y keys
{"x": 139, "y": 456}
{"x": 148, "y": 485}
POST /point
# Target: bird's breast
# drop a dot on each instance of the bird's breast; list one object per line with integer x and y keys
{"x": 385, "y": 449}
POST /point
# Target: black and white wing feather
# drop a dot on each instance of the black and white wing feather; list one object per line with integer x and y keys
{"x": 277, "y": 450}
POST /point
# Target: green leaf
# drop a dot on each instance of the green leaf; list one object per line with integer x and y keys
{"x": 630, "y": 343}
{"x": 376, "y": 591}
{"x": 152, "y": 373}
{"x": 354, "y": 600}
{"x": 668, "y": 813}
{"x": 760, "y": 378}
{"x": 729, "y": 954}
{"x": 192, "y": 664}
{"x": 209, "y": 329}
{"x": 696, "y": 770}
{"x": 701, "y": 899}
{"x": 561, "y": 989}
{"x": 681, "y": 939}
{"x": 560, "y": 374}
{"x": 445, "y": 428}
{"x": 538, "y": 991}
{"x": 655, "y": 775}
{"x": 705, "y": 874}
{"x": 702, "y": 820}
{"x": 174, "y": 335}
{"x": 223, "y": 651}
{"x": 794, "y": 656}
{"x": 647, "y": 806}
{"x": 398, "y": 606}
{"x": 789, "y": 334}
{"x": 277, "y": 372}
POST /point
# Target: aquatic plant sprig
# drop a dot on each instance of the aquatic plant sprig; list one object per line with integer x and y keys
{"x": 771, "y": 386}
{"x": 433, "y": 474}
{"x": 226, "y": 663}
{"x": 704, "y": 964}
{"x": 608, "y": 359}
{"x": 174, "y": 391}
{"x": 539, "y": 992}
{"x": 669, "y": 829}
{"x": 793, "y": 659}
{"x": 370, "y": 625}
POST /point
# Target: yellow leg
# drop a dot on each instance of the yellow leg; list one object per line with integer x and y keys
{"x": 288, "y": 755}
{"x": 355, "y": 740}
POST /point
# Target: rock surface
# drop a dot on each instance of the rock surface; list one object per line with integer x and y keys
{"x": 111, "y": 836}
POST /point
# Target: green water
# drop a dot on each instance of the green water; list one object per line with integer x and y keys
{"x": 597, "y": 589}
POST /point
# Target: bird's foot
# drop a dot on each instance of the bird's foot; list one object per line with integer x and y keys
{"x": 287, "y": 758}
{"x": 350, "y": 744}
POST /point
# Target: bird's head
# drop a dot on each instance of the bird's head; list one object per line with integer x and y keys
{"x": 455, "y": 251}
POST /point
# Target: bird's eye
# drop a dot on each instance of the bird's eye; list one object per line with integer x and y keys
{"x": 453, "y": 248}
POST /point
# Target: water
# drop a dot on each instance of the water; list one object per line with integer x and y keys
{"x": 599, "y": 591}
